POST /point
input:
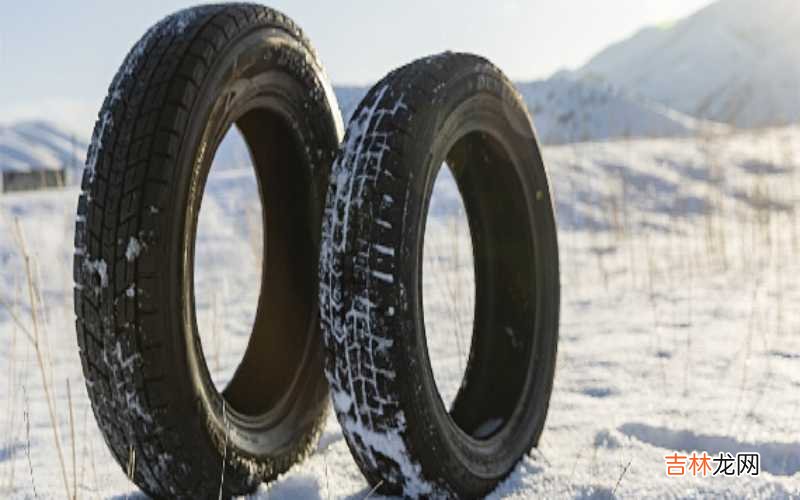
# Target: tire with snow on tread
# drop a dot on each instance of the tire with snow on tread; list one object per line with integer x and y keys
{"x": 460, "y": 109}
{"x": 183, "y": 85}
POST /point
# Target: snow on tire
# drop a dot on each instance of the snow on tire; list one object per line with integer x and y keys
{"x": 461, "y": 109}
{"x": 182, "y": 86}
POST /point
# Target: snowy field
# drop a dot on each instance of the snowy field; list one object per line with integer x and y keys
{"x": 679, "y": 330}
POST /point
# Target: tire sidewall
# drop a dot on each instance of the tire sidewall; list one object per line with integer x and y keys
{"x": 283, "y": 65}
{"x": 474, "y": 102}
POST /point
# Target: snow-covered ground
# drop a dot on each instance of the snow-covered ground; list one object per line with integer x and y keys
{"x": 679, "y": 328}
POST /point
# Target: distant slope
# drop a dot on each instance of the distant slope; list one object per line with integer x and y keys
{"x": 566, "y": 109}
{"x": 736, "y": 61}
{"x": 349, "y": 96}
{"x": 37, "y": 144}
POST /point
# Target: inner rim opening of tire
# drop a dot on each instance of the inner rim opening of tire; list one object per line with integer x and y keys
{"x": 503, "y": 323}
{"x": 282, "y": 327}
{"x": 448, "y": 284}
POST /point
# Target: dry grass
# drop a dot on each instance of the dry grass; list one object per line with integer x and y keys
{"x": 447, "y": 254}
{"x": 33, "y": 332}
{"x": 748, "y": 241}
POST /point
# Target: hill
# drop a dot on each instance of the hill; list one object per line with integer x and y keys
{"x": 736, "y": 62}
{"x": 35, "y": 144}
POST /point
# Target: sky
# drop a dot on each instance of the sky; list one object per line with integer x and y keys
{"x": 57, "y": 57}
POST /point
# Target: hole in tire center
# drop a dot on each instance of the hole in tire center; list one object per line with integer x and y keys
{"x": 500, "y": 318}
{"x": 228, "y": 258}
{"x": 448, "y": 286}
{"x": 264, "y": 336}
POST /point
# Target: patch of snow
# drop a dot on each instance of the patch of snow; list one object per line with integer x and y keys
{"x": 99, "y": 267}
{"x": 390, "y": 444}
{"x": 133, "y": 250}
{"x": 388, "y": 278}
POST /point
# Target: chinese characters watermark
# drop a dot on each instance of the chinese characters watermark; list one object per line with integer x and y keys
{"x": 704, "y": 465}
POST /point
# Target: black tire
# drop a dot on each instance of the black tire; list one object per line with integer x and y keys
{"x": 458, "y": 108}
{"x": 190, "y": 78}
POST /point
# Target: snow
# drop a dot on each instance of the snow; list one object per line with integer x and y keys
{"x": 678, "y": 330}
{"x": 391, "y": 446}
{"x": 174, "y": 24}
{"x": 98, "y": 267}
{"x": 566, "y": 108}
{"x": 360, "y": 163}
{"x": 735, "y": 61}
{"x": 133, "y": 249}
{"x": 388, "y": 278}
{"x": 574, "y": 108}
{"x": 36, "y": 145}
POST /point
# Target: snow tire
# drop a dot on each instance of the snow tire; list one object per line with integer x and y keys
{"x": 182, "y": 86}
{"x": 459, "y": 109}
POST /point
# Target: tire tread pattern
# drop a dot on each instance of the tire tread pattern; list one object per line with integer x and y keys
{"x": 363, "y": 226}
{"x": 129, "y": 166}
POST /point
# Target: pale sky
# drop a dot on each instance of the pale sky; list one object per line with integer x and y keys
{"x": 57, "y": 57}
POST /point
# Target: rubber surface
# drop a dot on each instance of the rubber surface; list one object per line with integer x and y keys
{"x": 458, "y": 109}
{"x": 183, "y": 85}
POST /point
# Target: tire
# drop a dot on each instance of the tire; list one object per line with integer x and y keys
{"x": 183, "y": 85}
{"x": 458, "y": 108}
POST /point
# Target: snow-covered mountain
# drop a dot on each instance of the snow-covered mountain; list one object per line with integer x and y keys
{"x": 565, "y": 109}
{"x": 568, "y": 108}
{"x": 736, "y": 61}
{"x": 31, "y": 145}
